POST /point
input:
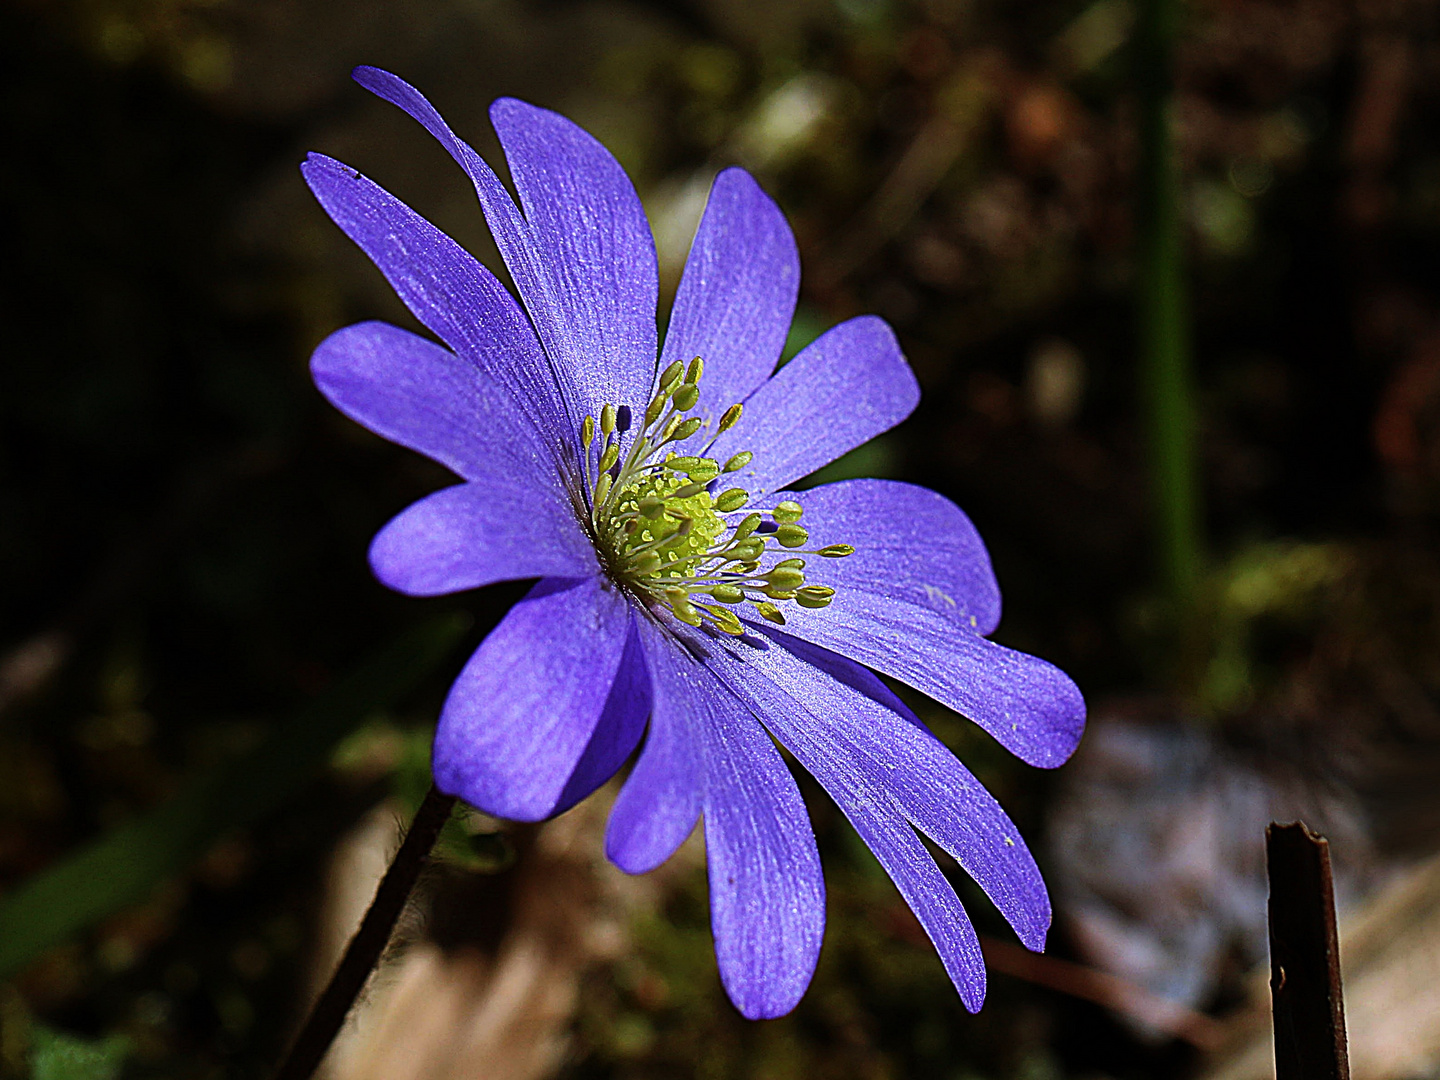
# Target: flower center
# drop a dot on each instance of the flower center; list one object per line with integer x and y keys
{"x": 665, "y": 534}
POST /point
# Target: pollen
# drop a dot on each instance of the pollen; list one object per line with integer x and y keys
{"x": 672, "y": 532}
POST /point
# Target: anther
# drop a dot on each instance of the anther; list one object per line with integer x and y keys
{"x": 607, "y": 419}
{"x": 738, "y": 462}
{"x": 686, "y": 396}
{"x": 732, "y": 500}
{"x": 689, "y": 491}
{"x": 785, "y": 578}
{"x": 791, "y": 536}
{"x": 787, "y": 513}
{"x": 695, "y": 370}
{"x": 671, "y": 375}
{"x": 587, "y": 431}
{"x": 747, "y": 526}
{"x": 730, "y": 418}
{"x": 609, "y": 457}
{"x": 771, "y": 612}
{"x": 602, "y": 487}
{"x": 836, "y": 551}
{"x": 650, "y": 506}
{"x": 728, "y": 594}
{"x": 686, "y": 429}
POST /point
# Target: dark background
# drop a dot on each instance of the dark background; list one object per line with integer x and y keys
{"x": 183, "y": 520}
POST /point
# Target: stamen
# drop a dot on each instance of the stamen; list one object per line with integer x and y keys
{"x": 659, "y": 530}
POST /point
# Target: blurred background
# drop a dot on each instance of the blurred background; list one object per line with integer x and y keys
{"x": 213, "y": 721}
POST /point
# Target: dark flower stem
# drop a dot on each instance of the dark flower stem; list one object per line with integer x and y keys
{"x": 369, "y": 941}
{"x": 1309, "y": 1007}
{"x": 1164, "y": 317}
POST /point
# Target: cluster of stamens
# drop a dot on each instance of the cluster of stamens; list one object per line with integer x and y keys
{"x": 667, "y": 536}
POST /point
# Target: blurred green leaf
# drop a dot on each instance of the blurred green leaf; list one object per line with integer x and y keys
{"x": 57, "y": 1056}
{"x": 122, "y": 867}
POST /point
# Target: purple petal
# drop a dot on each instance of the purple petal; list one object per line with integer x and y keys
{"x": 619, "y": 728}
{"x": 584, "y": 261}
{"x": 660, "y": 802}
{"x": 859, "y": 787}
{"x": 524, "y": 709}
{"x": 910, "y": 543}
{"x": 737, "y": 296}
{"x": 767, "y": 894}
{"x": 424, "y": 397}
{"x": 594, "y": 245}
{"x": 846, "y": 387}
{"x": 473, "y": 534}
{"x": 927, "y": 782}
{"x": 446, "y": 288}
{"x": 1029, "y": 706}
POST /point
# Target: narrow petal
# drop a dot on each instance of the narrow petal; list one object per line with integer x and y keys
{"x": 817, "y": 736}
{"x": 474, "y": 534}
{"x": 767, "y": 893}
{"x": 737, "y": 295}
{"x": 582, "y": 256}
{"x": 447, "y": 289}
{"x": 911, "y": 544}
{"x": 854, "y": 712}
{"x": 619, "y": 728}
{"x": 1031, "y": 707}
{"x": 522, "y": 712}
{"x": 594, "y": 246}
{"x": 422, "y": 396}
{"x": 660, "y": 803}
{"x": 846, "y": 387}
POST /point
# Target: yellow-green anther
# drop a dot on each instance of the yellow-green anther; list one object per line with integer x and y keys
{"x": 607, "y": 419}
{"x": 656, "y": 407}
{"x": 650, "y": 506}
{"x": 697, "y": 468}
{"x": 739, "y": 461}
{"x": 730, "y": 418}
{"x": 587, "y": 431}
{"x": 792, "y": 536}
{"x": 602, "y": 487}
{"x": 671, "y": 375}
{"x": 725, "y": 620}
{"x": 798, "y": 564}
{"x": 778, "y": 594}
{"x": 695, "y": 370}
{"x": 686, "y": 396}
{"x": 646, "y": 564}
{"x": 748, "y": 550}
{"x": 687, "y": 428}
{"x": 685, "y": 612}
{"x": 732, "y": 500}
{"x": 836, "y": 551}
{"x": 785, "y": 577}
{"x": 787, "y": 513}
{"x": 677, "y": 595}
{"x": 689, "y": 491}
{"x": 728, "y": 594}
{"x": 609, "y": 457}
{"x": 669, "y": 429}
{"x": 750, "y": 523}
{"x": 770, "y": 611}
{"x": 807, "y": 599}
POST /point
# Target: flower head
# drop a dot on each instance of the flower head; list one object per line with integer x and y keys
{"x": 687, "y": 599}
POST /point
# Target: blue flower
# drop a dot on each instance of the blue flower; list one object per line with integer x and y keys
{"x": 686, "y": 599}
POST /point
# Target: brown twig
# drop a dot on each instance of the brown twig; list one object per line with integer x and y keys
{"x": 1304, "y": 957}
{"x": 1111, "y": 991}
{"x": 369, "y": 942}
